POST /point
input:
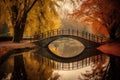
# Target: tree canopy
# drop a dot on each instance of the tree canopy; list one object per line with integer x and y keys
{"x": 26, "y": 15}
{"x": 100, "y": 13}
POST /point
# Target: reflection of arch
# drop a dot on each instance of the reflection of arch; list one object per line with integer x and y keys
{"x": 66, "y": 47}
{"x": 88, "y": 52}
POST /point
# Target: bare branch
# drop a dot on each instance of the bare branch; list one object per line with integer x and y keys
{"x": 31, "y": 6}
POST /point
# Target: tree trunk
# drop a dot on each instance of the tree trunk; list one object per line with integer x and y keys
{"x": 19, "y": 30}
{"x": 23, "y": 26}
{"x": 16, "y": 35}
{"x": 113, "y": 31}
{"x": 22, "y": 32}
{"x": 114, "y": 70}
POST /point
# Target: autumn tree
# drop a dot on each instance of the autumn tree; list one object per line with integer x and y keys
{"x": 106, "y": 13}
{"x": 47, "y": 15}
{"x": 103, "y": 12}
{"x": 42, "y": 17}
{"x": 17, "y": 11}
{"x": 28, "y": 13}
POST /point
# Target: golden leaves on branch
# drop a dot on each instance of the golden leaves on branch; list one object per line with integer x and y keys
{"x": 41, "y": 17}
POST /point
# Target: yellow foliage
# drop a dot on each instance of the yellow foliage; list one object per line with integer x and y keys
{"x": 36, "y": 22}
{"x": 35, "y": 69}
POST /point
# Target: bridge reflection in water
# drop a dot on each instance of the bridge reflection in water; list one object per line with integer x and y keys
{"x": 33, "y": 66}
{"x": 40, "y": 63}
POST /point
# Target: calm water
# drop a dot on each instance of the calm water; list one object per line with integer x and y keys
{"x": 66, "y": 47}
{"x": 30, "y": 66}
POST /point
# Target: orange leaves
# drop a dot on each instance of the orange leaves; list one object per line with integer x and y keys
{"x": 100, "y": 13}
{"x": 99, "y": 29}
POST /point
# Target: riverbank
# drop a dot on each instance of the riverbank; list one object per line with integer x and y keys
{"x": 6, "y": 46}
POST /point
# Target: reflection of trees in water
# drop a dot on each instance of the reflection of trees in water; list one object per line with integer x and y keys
{"x": 30, "y": 66}
{"x": 56, "y": 76}
{"x": 97, "y": 70}
{"x": 35, "y": 69}
{"x": 6, "y": 68}
{"x": 26, "y": 67}
{"x": 19, "y": 72}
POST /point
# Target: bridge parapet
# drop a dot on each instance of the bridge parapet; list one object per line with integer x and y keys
{"x": 73, "y": 32}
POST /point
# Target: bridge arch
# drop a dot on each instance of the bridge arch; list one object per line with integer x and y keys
{"x": 89, "y": 40}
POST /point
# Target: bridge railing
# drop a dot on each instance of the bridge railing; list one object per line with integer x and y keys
{"x": 82, "y": 34}
{"x": 73, "y": 65}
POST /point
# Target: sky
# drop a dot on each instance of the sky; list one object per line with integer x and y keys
{"x": 67, "y": 6}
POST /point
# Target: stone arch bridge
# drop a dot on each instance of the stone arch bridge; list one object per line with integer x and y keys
{"x": 89, "y": 55}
